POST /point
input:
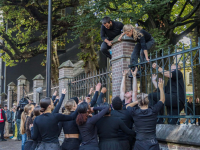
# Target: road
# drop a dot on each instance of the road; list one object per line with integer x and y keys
{"x": 10, "y": 145}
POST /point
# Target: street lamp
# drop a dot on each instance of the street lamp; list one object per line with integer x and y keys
{"x": 48, "y": 63}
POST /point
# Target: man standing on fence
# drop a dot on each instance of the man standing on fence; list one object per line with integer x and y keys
{"x": 109, "y": 30}
{"x": 170, "y": 100}
{"x": 126, "y": 97}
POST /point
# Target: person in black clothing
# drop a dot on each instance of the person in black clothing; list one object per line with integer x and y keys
{"x": 46, "y": 125}
{"x": 144, "y": 42}
{"x": 70, "y": 128}
{"x": 190, "y": 108}
{"x": 18, "y": 122}
{"x": 173, "y": 80}
{"x": 145, "y": 118}
{"x": 87, "y": 125}
{"x": 109, "y": 30}
{"x": 2, "y": 123}
{"x": 125, "y": 140}
{"x": 107, "y": 129}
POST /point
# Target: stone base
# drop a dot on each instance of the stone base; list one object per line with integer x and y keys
{"x": 172, "y": 146}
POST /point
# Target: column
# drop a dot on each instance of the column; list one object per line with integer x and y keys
{"x": 121, "y": 53}
{"x": 11, "y": 91}
{"x": 38, "y": 81}
{"x": 20, "y": 82}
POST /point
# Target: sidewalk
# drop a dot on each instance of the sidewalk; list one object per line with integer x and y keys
{"x": 10, "y": 145}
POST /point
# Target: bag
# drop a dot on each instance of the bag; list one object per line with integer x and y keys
{"x": 1, "y": 116}
{"x": 28, "y": 144}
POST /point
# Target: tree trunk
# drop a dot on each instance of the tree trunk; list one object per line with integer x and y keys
{"x": 54, "y": 66}
{"x": 88, "y": 54}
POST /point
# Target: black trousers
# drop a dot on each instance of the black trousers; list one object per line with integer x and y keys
{"x": 125, "y": 144}
{"x": 151, "y": 144}
{"x": 104, "y": 49}
{"x": 49, "y": 146}
{"x": 137, "y": 52}
{"x": 2, "y": 125}
{"x": 71, "y": 144}
{"x": 154, "y": 98}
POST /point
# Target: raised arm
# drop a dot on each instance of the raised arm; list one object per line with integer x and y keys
{"x": 135, "y": 88}
{"x": 154, "y": 80}
{"x": 56, "y": 110}
{"x": 54, "y": 96}
{"x": 123, "y": 85}
{"x": 91, "y": 91}
{"x": 162, "y": 94}
{"x": 100, "y": 98}
{"x": 132, "y": 104}
{"x": 94, "y": 99}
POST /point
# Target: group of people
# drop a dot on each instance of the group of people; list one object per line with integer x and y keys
{"x": 129, "y": 122}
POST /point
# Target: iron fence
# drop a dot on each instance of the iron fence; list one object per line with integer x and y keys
{"x": 189, "y": 61}
{"x": 80, "y": 85}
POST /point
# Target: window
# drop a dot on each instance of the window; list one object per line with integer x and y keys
{"x": 190, "y": 78}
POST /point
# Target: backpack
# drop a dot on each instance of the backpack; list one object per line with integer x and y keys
{"x": 1, "y": 116}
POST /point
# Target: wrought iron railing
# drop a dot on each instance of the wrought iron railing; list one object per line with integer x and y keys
{"x": 189, "y": 60}
{"x": 80, "y": 85}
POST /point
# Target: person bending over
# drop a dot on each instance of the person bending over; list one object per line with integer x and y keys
{"x": 144, "y": 42}
{"x": 145, "y": 118}
{"x": 174, "y": 92}
{"x": 109, "y": 30}
{"x": 126, "y": 97}
{"x": 87, "y": 125}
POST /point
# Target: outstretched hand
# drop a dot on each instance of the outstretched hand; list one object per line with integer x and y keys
{"x": 64, "y": 91}
{"x": 154, "y": 77}
{"x": 91, "y": 91}
{"x": 154, "y": 65}
{"x": 134, "y": 72}
{"x": 98, "y": 86}
{"x": 55, "y": 93}
{"x": 103, "y": 90}
{"x": 160, "y": 83}
{"x": 124, "y": 72}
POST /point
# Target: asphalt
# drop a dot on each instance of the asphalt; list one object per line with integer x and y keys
{"x": 10, "y": 145}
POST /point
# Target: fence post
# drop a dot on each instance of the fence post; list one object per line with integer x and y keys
{"x": 38, "y": 81}
{"x": 20, "y": 82}
{"x": 121, "y": 53}
{"x": 65, "y": 74}
{"x": 11, "y": 89}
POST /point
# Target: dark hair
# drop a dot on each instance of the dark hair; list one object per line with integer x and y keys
{"x": 63, "y": 109}
{"x": 117, "y": 103}
{"x": 36, "y": 111}
{"x": 82, "y": 113}
{"x": 106, "y": 20}
{"x": 44, "y": 103}
{"x": 5, "y": 106}
{"x": 75, "y": 99}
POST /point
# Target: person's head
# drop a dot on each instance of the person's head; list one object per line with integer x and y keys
{"x": 27, "y": 112}
{"x": 82, "y": 109}
{"x": 36, "y": 111}
{"x": 5, "y": 107}
{"x": 143, "y": 100}
{"x": 190, "y": 100}
{"x": 128, "y": 96}
{"x": 46, "y": 104}
{"x": 70, "y": 106}
{"x": 197, "y": 100}
{"x": 117, "y": 103}
{"x": 13, "y": 109}
{"x": 107, "y": 22}
{"x": 130, "y": 31}
{"x": 173, "y": 67}
{"x": 104, "y": 99}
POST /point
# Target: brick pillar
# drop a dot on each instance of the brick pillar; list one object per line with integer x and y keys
{"x": 27, "y": 86}
{"x": 38, "y": 81}
{"x": 22, "y": 80}
{"x": 121, "y": 53}
{"x": 11, "y": 91}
